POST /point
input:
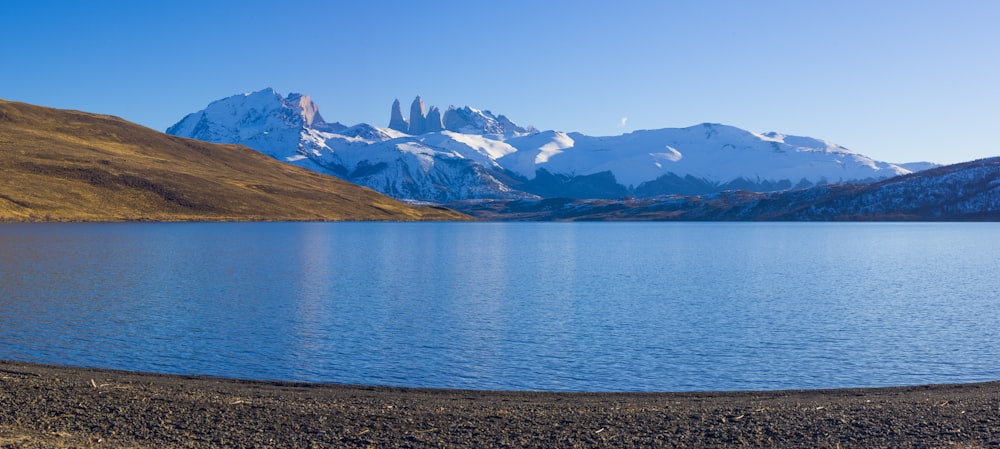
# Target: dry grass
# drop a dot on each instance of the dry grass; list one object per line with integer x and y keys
{"x": 74, "y": 166}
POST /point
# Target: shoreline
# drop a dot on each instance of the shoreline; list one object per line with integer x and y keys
{"x": 63, "y": 407}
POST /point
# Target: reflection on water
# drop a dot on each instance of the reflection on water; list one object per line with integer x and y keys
{"x": 546, "y": 306}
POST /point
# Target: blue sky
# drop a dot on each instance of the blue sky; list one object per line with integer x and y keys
{"x": 898, "y": 81}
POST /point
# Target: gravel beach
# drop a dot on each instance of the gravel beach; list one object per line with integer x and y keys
{"x": 62, "y": 407}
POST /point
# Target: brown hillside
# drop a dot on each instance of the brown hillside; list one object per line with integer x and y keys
{"x": 70, "y": 165}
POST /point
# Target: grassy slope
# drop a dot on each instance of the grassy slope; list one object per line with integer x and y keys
{"x": 69, "y": 165}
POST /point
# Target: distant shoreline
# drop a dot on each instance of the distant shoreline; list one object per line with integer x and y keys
{"x": 54, "y": 406}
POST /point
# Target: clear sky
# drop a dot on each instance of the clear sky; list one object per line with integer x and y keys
{"x": 899, "y": 81}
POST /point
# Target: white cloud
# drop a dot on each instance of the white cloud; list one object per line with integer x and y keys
{"x": 622, "y": 122}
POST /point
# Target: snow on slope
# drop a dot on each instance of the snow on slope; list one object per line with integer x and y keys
{"x": 261, "y": 120}
{"x": 919, "y": 166}
{"x": 534, "y": 150}
{"x": 708, "y": 151}
{"x": 468, "y": 120}
{"x": 470, "y": 146}
{"x": 495, "y": 158}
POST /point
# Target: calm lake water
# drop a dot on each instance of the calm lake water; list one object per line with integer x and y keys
{"x": 523, "y": 306}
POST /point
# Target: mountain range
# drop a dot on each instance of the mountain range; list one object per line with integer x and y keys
{"x": 69, "y": 165}
{"x": 61, "y": 165}
{"x": 967, "y": 191}
{"x": 467, "y": 153}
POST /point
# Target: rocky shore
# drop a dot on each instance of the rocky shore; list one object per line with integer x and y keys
{"x": 61, "y": 407}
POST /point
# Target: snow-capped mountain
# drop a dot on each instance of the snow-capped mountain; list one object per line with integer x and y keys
{"x": 261, "y": 120}
{"x": 468, "y": 153}
{"x": 695, "y": 160}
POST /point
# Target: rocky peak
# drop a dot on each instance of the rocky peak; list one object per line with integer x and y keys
{"x": 396, "y": 120}
{"x": 434, "y": 121}
{"x": 460, "y": 120}
{"x": 309, "y": 112}
{"x": 418, "y": 118}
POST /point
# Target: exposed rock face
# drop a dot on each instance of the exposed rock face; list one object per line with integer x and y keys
{"x": 310, "y": 112}
{"x": 453, "y": 121}
{"x": 506, "y": 125}
{"x": 474, "y": 121}
{"x": 396, "y": 120}
{"x": 418, "y": 118}
{"x": 434, "y": 122}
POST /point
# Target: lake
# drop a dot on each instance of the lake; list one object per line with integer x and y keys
{"x": 512, "y": 306}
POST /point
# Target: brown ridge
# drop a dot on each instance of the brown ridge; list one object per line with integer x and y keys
{"x": 60, "y": 165}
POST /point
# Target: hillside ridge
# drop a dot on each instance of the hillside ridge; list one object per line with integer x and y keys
{"x": 968, "y": 191}
{"x": 64, "y": 165}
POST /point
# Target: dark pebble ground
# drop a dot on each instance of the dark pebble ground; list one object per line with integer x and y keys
{"x": 59, "y": 407}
